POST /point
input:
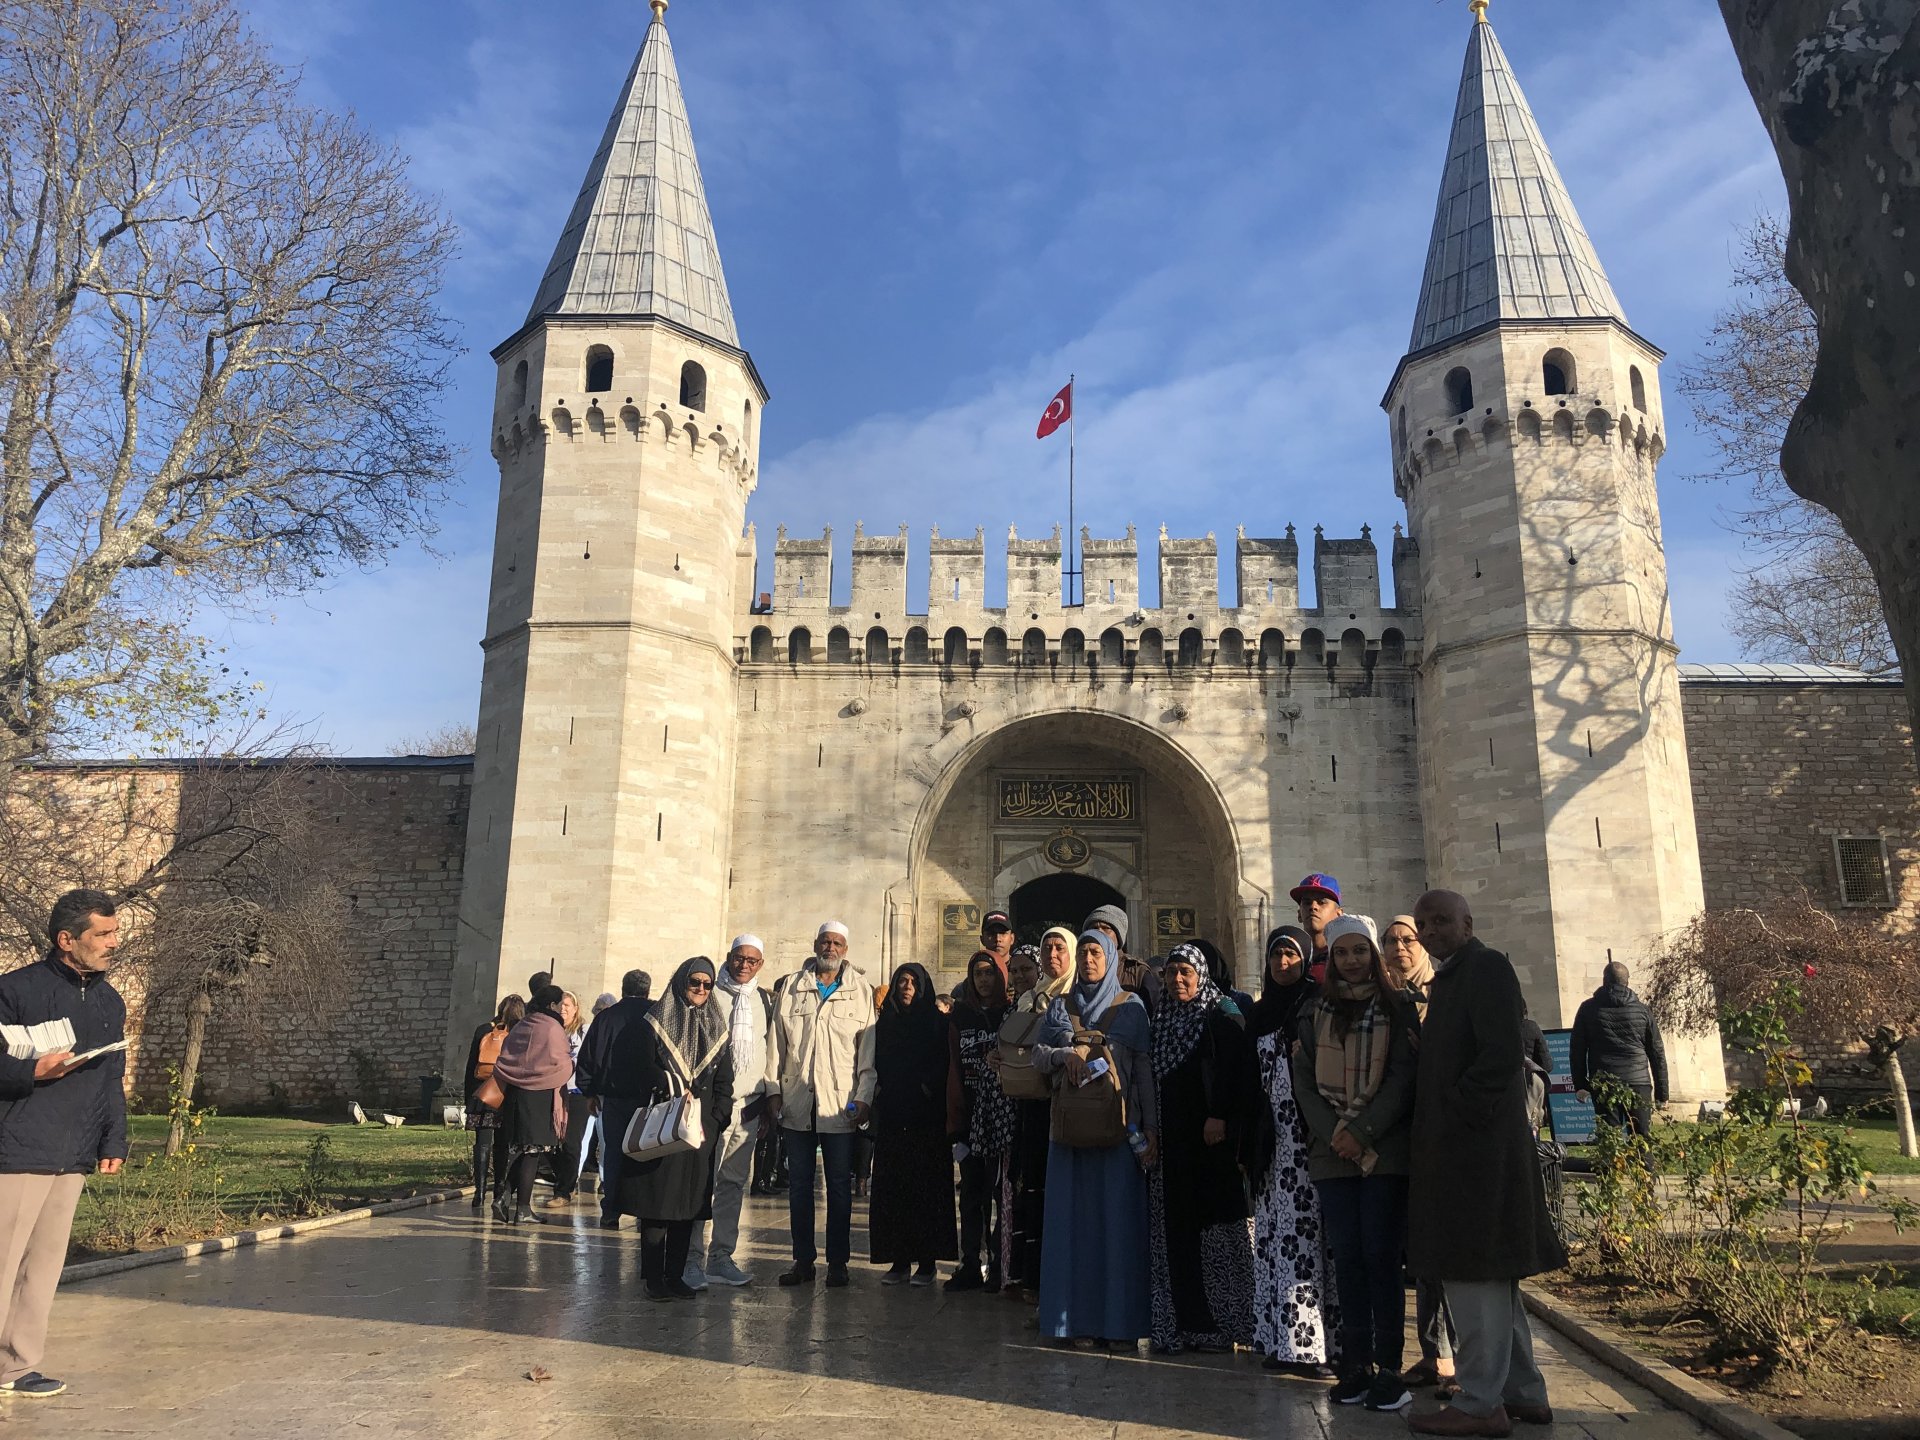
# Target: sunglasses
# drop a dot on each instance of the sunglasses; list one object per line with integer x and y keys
{"x": 699, "y": 984}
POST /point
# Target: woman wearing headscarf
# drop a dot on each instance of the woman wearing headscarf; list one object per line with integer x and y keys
{"x": 1294, "y": 1308}
{"x": 1197, "y": 1202}
{"x": 535, "y": 1064}
{"x": 1409, "y": 969}
{"x": 1093, "y": 1278}
{"x": 910, "y": 1217}
{"x": 980, "y": 1119}
{"x": 1237, "y": 1002}
{"x": 1353, "y": 1074}
{"x": 1053, "y": 977}
{"x": 681, "y": 1047}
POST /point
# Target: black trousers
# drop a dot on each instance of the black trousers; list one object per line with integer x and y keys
{"x": 663, "y": 1249}
{"x": 979, "y": 1200}
{"x": 1637, "y": 1117}
{"x": 489, "y": 1153}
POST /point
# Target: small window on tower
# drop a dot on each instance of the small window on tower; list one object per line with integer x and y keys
{"x": 693, "y": 386}
{"x": 1862, "y": 863}
{"x": 599, "y": 369}
{"x": 1639, "y": 383}
{"x": 1557, "y": 374}
{"x": 746, "y": 425}
{"x": 1459, "y": 390}
{"x": 517, "y": 396}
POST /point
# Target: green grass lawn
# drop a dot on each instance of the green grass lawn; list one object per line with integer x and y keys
{"x": 1876, "y": 1136}
{"x": 245, "y": 1171}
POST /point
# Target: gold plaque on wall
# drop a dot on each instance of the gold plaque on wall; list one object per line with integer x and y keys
{"x": 1067, "y": 850}
{"x": 959, "y": 934}
{"x": 1173, "y": 924}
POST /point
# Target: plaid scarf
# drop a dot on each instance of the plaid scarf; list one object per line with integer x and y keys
{"x": 1348, "y": 1069}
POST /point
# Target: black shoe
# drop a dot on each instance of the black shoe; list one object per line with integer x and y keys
{"x": 678, "y": 1289}
{"x": 500, "y": 1210}
{"x": 925, "y": 1275}
{"x": 528, "y": 1217}
{"x": 896, "y": 1276}
{"x": 479, "y": 1199}
{"x": 1388, "y": 1392}
{"x": 836, "y": 1277}
{"x": 1352, "y": 1389}
{"x": 992, "y": 1287}
{"x": 33, "y": 1383}
{"x": 798, "y": 1275}
{"x": 657, "y": 1290}
{"x": 968, "y": 1279}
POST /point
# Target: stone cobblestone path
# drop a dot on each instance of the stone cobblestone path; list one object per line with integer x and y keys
{"x": 427, "y": 1323}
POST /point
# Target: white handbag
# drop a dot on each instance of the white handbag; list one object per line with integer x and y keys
{"x": 666, "y": 1127}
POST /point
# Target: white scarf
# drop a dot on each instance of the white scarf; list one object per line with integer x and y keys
{"x": 746, "y": 1033}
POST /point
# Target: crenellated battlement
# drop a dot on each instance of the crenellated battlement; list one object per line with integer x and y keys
{"x": 565, "y": 423}
{"x": 1566, "y": 422}
{"x": 797, "y": 620}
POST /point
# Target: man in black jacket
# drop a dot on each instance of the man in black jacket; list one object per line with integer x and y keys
{"x": 1614, "y": 1035}
{"x": 58, "y": 1122}
{"x": 607, "y": 1037}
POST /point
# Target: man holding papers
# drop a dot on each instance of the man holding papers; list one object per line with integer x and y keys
{"x": 62, "y": 1113}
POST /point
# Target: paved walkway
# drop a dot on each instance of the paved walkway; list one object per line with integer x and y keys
{"x": 426, "y": 1323}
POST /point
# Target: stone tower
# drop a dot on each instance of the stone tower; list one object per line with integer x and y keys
{"x": 625, "y": 424}
{"x": 1526, "y": 429}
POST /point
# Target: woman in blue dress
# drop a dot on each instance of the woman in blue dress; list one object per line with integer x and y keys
{"x": 1094, "y": 1283}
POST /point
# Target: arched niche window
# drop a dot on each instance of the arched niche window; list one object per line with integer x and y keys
{"x": 1353, "y": 650}
{"x": 761, "y": 647}
{"x": 1273, "y": 649}
{"x": 1459, "y": 385}
{"x": 839, "y": 646}
{"x": 1153, "y": 650}
{"x": 1639, "y": 384}
{"x": 1192, "y": 647}
{"x": 993, "y": 647}
{"x": 1557, "y": 373}
{"x": 746, "y": 425}
{"x": 1073, "y": 647}
{"x": 1033, "y": 648}
{"x": 599, "y": 369}
{"x": 956, "y": 646}
{"x": 517, "y": 390}
{"x": 800, "y": 646}
{"x": 1313, "y": 646}
{"x": 915, "y": 651}
{"x": 1113, "y": 648}
{"x": 878, "y": 651}
{"x": 1233, "y": 648}
{"x": 1393, "y": 647}
{"x": 1403, "y": 430}
{"x": 693, "y": 386}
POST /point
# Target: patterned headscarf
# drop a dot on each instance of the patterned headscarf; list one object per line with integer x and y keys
{"x": 693, "y": 1036}
{"x": 1177, "y": 1027}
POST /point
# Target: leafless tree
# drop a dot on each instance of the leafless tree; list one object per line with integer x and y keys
{"x": 447, "y": 740}
{"x": 220, "y": 355}
{"x": 1809, "y": 594}
{"x": 1837, "y": 84}
{"x": 1858, "y": 979}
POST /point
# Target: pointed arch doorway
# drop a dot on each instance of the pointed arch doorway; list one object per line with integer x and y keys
{"x": 1061, "y": 898}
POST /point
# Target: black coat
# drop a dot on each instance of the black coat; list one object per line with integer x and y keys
{"x": 1201, "y": 1183}
{"x": 1614, "y": 1034}
{"x": 608, "y": 1056}
{"x": 64, "y": 1126}
{"x": 674, "y": 1187}
{"x": 1477, "y": 1207}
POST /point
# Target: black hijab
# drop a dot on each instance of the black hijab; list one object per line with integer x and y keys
{"x": 1279, "y": 1006}
{"x": 910, "y": 1053}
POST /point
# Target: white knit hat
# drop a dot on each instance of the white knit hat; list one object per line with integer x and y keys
{"x": 1351, "y": 924}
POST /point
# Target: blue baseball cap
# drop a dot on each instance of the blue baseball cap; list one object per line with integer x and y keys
{"x": 1315, "y": 884}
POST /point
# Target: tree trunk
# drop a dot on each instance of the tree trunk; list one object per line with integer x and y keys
{"x": 1838, "y": 87}
{"x": 198, "y": 1009}
{"x": 1902, "y": 1102}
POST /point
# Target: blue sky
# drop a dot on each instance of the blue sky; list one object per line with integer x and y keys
{"x": 929, "y": 214}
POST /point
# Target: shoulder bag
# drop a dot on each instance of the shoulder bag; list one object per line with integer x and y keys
{"x": 666, "y": 1127}
{"x": 1092, "y": 1116}
{"x": 1018, "y": 1079}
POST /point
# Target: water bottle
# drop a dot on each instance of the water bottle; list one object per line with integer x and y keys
{"x": 1137, "y": 1143}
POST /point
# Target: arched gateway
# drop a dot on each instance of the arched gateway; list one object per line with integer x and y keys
{"x": 1051, "y": 815}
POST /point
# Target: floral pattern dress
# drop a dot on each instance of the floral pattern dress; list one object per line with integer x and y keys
{"x": 1295, "y": 1314}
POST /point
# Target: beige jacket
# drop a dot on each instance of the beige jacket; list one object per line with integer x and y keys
{"x": 821, "y": 1056}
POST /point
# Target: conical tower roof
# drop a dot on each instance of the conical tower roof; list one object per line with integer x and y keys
{"x": 640, "y": 238}
{"x": 1507, "y": 241}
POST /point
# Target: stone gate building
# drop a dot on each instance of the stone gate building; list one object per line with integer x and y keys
{"x": 678, "y": 741}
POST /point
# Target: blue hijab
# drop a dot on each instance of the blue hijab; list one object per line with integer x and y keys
{"x": 1093, "y": 999}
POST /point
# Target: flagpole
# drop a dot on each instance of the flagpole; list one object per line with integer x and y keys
{"x": 1073, "y": 570}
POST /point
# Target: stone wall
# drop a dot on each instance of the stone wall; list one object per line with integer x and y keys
{"x": 1781, "y": 769}
{"x": 401, "y": 829}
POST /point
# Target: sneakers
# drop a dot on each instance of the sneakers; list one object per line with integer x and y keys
{"x": 1388, "y": 1392}
{"x": 836, "y": 1277}
{"x": 33, "y": 1383}
{"x": 896, "y": 1276}
{"x": 798, "y": 1275}
{"x": 679, "y": 1290}
{"x": 924, "y": 1276}
{"x": 724, "y": 1272}
{"x": 693, "y": 1277}
{"x": 1352, "y": 1389}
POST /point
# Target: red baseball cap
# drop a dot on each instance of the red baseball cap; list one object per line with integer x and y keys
{"x": 1316, "y": 884}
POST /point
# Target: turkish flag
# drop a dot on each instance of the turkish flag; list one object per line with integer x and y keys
{"x": 1058, "y": 413}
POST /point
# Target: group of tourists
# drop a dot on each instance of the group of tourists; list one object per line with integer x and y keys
{"x": 1135, "y": 1148}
